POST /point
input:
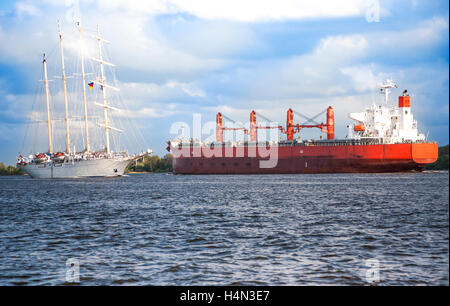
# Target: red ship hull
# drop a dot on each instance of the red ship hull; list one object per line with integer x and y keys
{"x": 305, "y": 159}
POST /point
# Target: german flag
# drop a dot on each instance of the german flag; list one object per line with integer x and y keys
{"x": 91, "y": 85}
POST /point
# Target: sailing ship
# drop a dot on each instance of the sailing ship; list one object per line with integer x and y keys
{"x": 89, "y": 162}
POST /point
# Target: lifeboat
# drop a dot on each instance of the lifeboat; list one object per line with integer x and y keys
{"x": 40, "y": 158}
{"x": 21, "y": 161}
{"x": 59, "y": 157}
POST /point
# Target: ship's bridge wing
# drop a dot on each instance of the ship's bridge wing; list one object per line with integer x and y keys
{"x": 357, "y": 117}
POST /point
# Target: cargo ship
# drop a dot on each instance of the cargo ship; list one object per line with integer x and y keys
{"x": 383, "y": 138}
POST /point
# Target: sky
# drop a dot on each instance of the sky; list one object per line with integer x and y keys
{"x": 176, "y": 58}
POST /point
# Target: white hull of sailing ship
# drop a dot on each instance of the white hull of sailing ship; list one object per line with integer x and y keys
{"x": 107, "y": 167}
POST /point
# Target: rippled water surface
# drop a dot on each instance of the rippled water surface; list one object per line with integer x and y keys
{"x": 161, "y": 229}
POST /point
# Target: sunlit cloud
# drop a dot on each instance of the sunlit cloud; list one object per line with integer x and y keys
{"x": 23, "y": 9}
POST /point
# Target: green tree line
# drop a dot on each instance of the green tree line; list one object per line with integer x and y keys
{"x": 442, "y": 161}
{"x": 152, "y": 164}
{"x": 10, "y": 170}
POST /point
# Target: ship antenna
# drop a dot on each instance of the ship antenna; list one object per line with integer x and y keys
{"x": 66, "y": 108}
{"x": 47, "y": 99}
{"x": 83, "y": 79}
{"x": 386, "y": 89}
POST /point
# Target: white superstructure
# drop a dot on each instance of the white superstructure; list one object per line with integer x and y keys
{"x": 390, "y": 124}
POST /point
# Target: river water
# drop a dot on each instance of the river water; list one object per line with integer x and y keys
{"x": 164, "y": 229}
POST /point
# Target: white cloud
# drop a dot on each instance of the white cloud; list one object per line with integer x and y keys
{"x": 171, "y": 90}
{"x": 363, "y": 79}
{"x": 339, "y": 47}
{"x": 137, "y": 7}
{"x": 238, "y": 10}
{"x": 145, "y": 113}
{"x": 14, "y": 48}
{"x": 187, "y": 88}
{"x": 256, "y": 10}
{"x": 25, "y": 8}
{"x": 135, "y": 40}
{"x": 212, "y": 38}
{"x": 314, "y": 74}
{"x": 136, "y": 43}
{"x": 425, "y": 35}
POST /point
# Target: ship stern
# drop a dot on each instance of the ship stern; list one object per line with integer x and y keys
{"x": 424, "y": 153}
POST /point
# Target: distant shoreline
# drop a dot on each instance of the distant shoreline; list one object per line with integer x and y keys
{"x": 147, "y": 172}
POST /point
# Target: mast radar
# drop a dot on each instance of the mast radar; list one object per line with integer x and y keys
{"x": 386, "y": 89}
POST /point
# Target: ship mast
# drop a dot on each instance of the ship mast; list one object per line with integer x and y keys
{"x": 47, "y": 98}
{"x": 83, "y": 79}
{"x": 103, "y": 86}
{"x": 66, "y": 108}
{"x": 103, "y": 82}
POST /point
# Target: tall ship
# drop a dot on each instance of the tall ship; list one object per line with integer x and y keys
{"x": 383, "y": 138}
{"x": 102, "y": 161}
